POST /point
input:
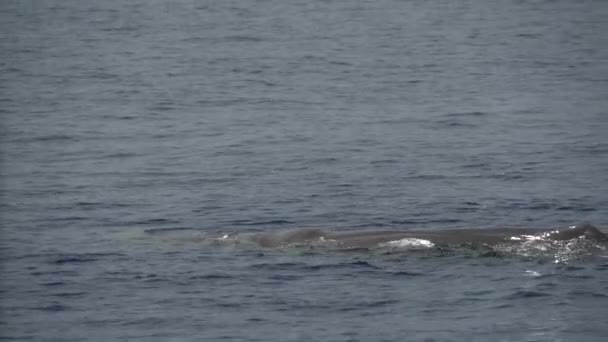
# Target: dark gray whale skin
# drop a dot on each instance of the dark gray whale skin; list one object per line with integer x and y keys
{"x": 373, "y": 238}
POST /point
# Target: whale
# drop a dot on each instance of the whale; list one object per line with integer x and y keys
{"x": 367, "y": 239}
{"x": 563, "y": 244}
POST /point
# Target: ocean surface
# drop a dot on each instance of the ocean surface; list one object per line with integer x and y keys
{"x": 130, "y": 130}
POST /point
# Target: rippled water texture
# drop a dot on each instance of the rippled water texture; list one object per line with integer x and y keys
{"x": 201, "y": 118}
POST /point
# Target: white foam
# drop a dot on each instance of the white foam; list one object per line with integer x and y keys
{"x": 527, "y": 238}
{"x": 532, "y": 273}
{"x": 408, "y": 243}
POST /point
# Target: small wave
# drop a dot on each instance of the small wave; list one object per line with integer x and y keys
{"x": 260, "y": 223}
{"x": 357, "y": 264}
{"x": 546, "y": 204}
{"x": 120, "y": 155}
{"x": 70, "y": 260}
{"x": 475, "y": 295}
{"x": 152, "y": 278}
{"x": 121, "y": 29}
{"x": 52, "y": 307}
{"x": 240, "y": 38}
{"x": 575, "y": 208}
{"x": 277, "y": 266}
{"x": 307, "y": 267}
{"x": 528, "y": 35}
{"x": 527, "y": 294}
{"x": 54, "y": 138}
{"x": 65, "y": 273}
{"x": 102, "y": 75}
{"x": 455, "y": 123}
{"x": 262, "y": 82}
{"x": 163, "y": 107}
{"x": 82, "y": 258}
{"x": 154, "y": 221}
{"x": 602, "y": 267}
{"x": 67, "y": 218}
{"x": 460, "y": 114}
{"x": 368, "y": 305}
{"x": 424, "y": 222}
{"x": 87, "y": 204}
{"x": 155, "y": 231}
{"x": 148, "y": 321}
{"x": 255, "y": 319}
{"x": 285, "y": 277}
{"x": 407, "y": 274}
{"x": 69, "y": 294}
{"x": 210, "y": 276}
{"x": 583, "y": 293}
{"x": 579, "y": 276}
{"x": 54, "y": 283}
{"x": 340, "y": 63}
{"x": 18, "y": 338}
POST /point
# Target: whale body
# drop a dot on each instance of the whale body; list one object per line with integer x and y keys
{"x": 561, "y": 245}
{"x": 451, "y": 237}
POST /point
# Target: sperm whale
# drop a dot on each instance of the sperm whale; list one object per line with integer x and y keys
{"x": 375, "y": 238}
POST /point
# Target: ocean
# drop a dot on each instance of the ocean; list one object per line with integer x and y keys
{"x": 131, "y": 131}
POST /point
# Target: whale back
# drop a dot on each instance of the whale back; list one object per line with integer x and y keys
{"x": 585, "y": 229}
{"x": 284, "y": 238}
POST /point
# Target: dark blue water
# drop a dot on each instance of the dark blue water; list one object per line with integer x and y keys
{"x": 231, "y": 116}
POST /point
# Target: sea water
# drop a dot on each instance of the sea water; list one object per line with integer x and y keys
{"x": 228, "y": 117}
